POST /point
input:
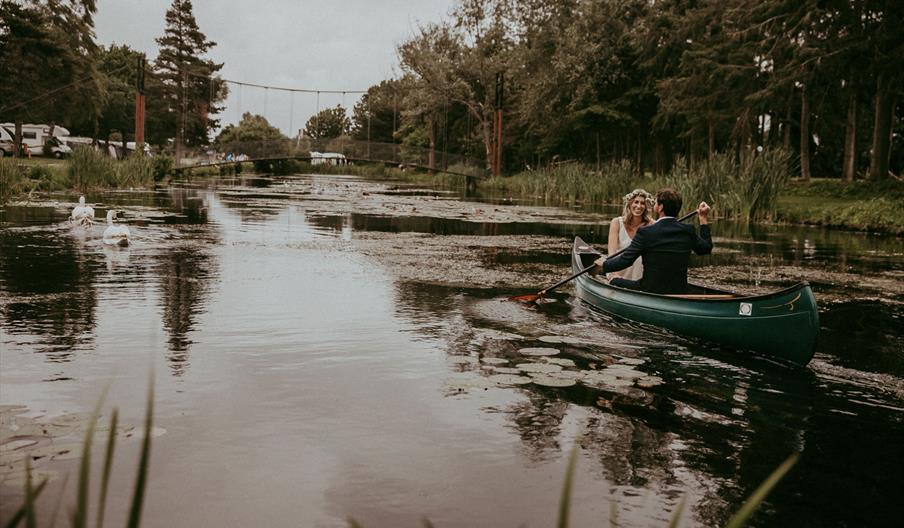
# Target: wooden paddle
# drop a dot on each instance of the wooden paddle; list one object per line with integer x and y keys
{"x": 536, "y": 296}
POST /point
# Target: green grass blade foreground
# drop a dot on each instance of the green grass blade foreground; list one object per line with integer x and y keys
{"x": 759, "y": 495}
{"x": 108, "y": 465}
{"x": 80, "y": 518}
{"x": 565, "y": 500}
{"x": 23, "y": 510}
{"x": 676, "y": 516}
{"x": 141, "y": 478}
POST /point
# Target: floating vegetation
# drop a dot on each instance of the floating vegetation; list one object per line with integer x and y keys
{"x": 509, "y": 379}
{"x": 506, "y": 370}
{"x": 553, "y": 381}
{"x": 632, "y": 361}
{"x": 489, "y": 333}
{"x": 538, "y": 351}
{"x": 649, "y": 381}
{"x": 493, "y": 360}
{"x": 565, "y": 340}
{"x": 462, "y": 360}
{"x": 540, "y": 368}
{"x": 563, "y": 362}
{"x": 33, "y": 438}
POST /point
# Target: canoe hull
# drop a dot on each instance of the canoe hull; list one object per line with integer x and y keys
{"x": 782, "y": 325}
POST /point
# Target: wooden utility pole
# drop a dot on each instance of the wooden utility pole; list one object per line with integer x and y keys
{"x": 139, "y": 107}
{"x": 496, "y": 162}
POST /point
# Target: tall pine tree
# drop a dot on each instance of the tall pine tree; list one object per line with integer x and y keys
{"x": 190, "y": 87}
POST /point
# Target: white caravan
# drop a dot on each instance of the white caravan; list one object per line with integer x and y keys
{"x": 34, "y": 136}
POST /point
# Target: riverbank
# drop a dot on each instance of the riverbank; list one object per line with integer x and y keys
{"x": 858, "y": 206}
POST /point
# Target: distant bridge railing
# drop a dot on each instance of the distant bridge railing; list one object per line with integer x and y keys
{"x": 354, "y": 150}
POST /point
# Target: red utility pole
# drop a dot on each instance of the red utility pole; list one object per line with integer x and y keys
{"x": 497, "y": 127}
{"x": 139, "y": 107}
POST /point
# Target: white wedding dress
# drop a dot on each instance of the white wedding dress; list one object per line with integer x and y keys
{"x": 635, "y": 271}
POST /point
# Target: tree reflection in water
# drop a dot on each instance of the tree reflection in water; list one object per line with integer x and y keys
{"x": 47, "y": 282}
{"x": 185, "y": 274}
{"x": 720, "y": 423}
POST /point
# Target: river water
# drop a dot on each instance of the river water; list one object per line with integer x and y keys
{"x": 321, "y": 349}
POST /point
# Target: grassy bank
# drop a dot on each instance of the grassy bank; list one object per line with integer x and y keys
{"x": 862, "y": 206}
{"x": 86, "y": 169}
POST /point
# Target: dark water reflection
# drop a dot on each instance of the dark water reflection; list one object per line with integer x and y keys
{"x": 305, "y": 385}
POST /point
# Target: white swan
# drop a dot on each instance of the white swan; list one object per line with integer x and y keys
{"x": 115, "y": 235}
{"x": 82, "y": 214}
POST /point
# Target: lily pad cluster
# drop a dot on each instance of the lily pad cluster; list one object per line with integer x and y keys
{"x": 540, "y": 366}
{"x": 41, "y": 439}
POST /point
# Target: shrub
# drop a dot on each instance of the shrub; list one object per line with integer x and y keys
{"x": 12, "y": 178}
{"x": 137, "y": 170}
{"x": 89, "y": 167}
{"x": 162, "y": 165}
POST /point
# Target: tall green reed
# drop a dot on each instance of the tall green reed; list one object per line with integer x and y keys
{"x": 90, "y": 168}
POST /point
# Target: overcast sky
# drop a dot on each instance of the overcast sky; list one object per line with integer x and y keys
{"x": 311, "y": 44}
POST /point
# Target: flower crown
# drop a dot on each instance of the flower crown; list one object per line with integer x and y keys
{"x": 640, "y": 192}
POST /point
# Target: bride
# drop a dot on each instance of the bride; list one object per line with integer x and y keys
{"x": 636, "y": 214}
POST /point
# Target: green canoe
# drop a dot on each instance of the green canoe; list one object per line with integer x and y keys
{"x": 782, "y": 325}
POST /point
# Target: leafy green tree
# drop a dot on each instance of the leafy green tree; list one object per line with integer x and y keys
{"x": 329, "y": 123}
{"x": 456, "y": 63}
{"x": 376, "y": 114}
{"x": 251, "y": 128}
{"x": 188, "y": 82}
{"x": 46, "y": 62}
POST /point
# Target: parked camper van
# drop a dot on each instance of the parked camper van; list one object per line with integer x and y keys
{"x": 7, "y": 145}
{"x": 35, "y": 136}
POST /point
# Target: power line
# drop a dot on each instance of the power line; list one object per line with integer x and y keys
{"x": 302, "y": 90}
{"x": 48, "y": 93}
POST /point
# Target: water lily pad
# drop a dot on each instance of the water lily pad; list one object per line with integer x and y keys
{"x": 18, "y": 443}
{"x": 568, "y": 340}
{"x": 632, "y": 361}
{"x": 553, "y": 381}
{"x": 564, "y": 362}
{"x": 57, "y": 452}
{"x": 17, "y": 479}
{"x": 489, "y": 333}
{"x": 543, "y": 368}
{"x": 649, "y": 381}
{"x": 627, "y": 373}
{"x": 493, "y": 360}
{"x": 456, "y": 385}
{"x": 509, "y": 379}
{"x": 538, "y": 351}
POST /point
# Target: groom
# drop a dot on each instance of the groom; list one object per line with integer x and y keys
{"x": 665, "y": 246}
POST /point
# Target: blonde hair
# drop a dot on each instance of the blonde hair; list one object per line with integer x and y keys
{"x": 648, "y": 200}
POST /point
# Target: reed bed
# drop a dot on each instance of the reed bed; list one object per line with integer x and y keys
{"x": 745, "y": 190}
{"x": 571, "y": 183}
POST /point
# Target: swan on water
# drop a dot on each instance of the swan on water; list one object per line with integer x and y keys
{"x": 82, "y": 214}
{"x": 116, "y": 235}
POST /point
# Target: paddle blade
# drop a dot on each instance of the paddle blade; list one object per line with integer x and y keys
{"x": 534, "y": 297}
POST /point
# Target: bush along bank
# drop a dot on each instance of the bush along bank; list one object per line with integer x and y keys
{"x": 85, "y": 169}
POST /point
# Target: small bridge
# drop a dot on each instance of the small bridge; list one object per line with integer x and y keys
{"x": 354, "y": 151}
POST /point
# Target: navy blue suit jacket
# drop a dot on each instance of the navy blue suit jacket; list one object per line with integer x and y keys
{"x": 665, "y": 247}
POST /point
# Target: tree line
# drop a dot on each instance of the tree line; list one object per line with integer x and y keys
{"x": 52, "y": 71}
{"x": 652, "y": 82}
